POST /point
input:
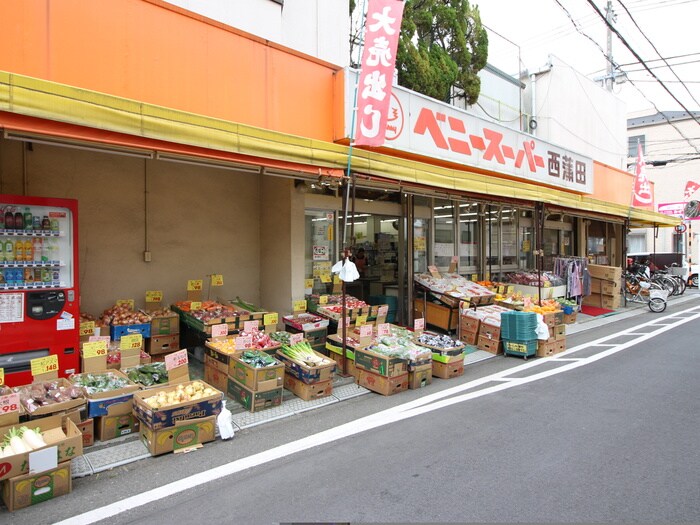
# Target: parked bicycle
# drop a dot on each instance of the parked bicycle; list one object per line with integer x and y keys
{"x": 638, "y": 289}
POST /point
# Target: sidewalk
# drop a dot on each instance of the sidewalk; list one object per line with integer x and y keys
{"x": 121, "y": 451}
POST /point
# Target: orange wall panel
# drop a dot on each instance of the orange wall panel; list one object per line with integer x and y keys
{"x": 157, "y": 54}
{"x": 613, "y": 185}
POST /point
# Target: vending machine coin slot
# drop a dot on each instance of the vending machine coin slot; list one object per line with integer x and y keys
{"x": 45, "y": 305}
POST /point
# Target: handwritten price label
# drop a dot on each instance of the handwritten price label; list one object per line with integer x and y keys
{"x": 9, "y": 404}
{"x": 270, "y": 319}
{"x": 323, "y": 299}
{"x": 176, "y": 360}
{"x": 361, "y": 320}
{"x": 308, "y": 284}
{"x": 129, "y": 303}
{"x": 342, "y": 324}
{"x": 336, "y": 279}
{"x": 383, "y": 329}
{"x": 325, "y": 278}
{"x": 383, "y": 311}
{"x": 44, "y": 365}
{"x": 219, "y": 330}
{"x": 419, "y": 324}
{"x": 251, "y": 326}
{"x": 511, "y": 289}
{"x": 194, "y": 285}
{"x": 501, "y": 289}
{"x": 94, "y": 338}
{"x": 87, "y": 328}
{"x": 96, "y": 349}
{"x": 129, "y": 342}
{"x": 217, "y": 280}
{"x": 195, "y": 305}
{"x": 154, "y": 296}
{"x": 366, "y": 330}
{"x": 244, "y": 343}
{"x": 475, "y": 277}
{"x": 296, "y": 338}
{"x": 299, "y": 306}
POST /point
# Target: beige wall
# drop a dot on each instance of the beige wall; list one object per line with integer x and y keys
{"x": 199, "y": 221}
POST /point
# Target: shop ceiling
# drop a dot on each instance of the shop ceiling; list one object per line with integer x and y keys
{"x": 42, "y": 111}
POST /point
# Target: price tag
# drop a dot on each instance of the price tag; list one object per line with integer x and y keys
{"x": 2, "y": 376}
{"x": 475, "y": 277}
{"x": 195, "y": 305}
{"x": 325, "y": 278}
{"x": 87, "y": 328}
{"x": 176, "y": 359}
{"x": 217, "y": 280}
{"x": 126, "y": 302}
{"x": 44, "y": 365}
{"x": 419, "y": 325}
{"x": 270, "y": 319}
{"x": 308, "y": 284}
{"x": 219, "y": 330}
{"x": 336, "y": 279}
{"x": 129, "y": 342}
{"x": 95, "y": 349}
{"x": 154, "y": 296}
{"x": 511, "y": 289}
{"x": 383, "y": 329}
{"x": 383, "y": 311}
{"x": 296, "y": 338}
{"x": 9, "y": 404}
{"x": 94, "y": 338}
{"x": 299, "y": 306}
{"x": 244, "y": 343}
{"x": 361, "y": 320}
{"x": 501, "y": 289}
{"x": 434, "y": 271}
{"x": 251, "y": 326}
{"x": 487, "y": 276}
{"x": 342, "y": 323}
{"x": 194, "y": 285}
{"x": 366, "y": 330}
{"x": 323, "y": 299}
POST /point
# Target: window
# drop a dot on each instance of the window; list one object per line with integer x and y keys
{"x": 632, "y": 145}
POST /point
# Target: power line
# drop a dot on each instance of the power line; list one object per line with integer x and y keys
{"x": 657, "y": 52}
{"x": 664, "y": 59}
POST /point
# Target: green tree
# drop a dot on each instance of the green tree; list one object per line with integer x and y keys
{"x": 442, "y": 45}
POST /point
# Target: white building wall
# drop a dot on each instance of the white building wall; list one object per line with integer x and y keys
{"x": 318, "y": 28}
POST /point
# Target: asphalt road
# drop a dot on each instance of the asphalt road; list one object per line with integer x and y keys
{"x": 612, "y": 440}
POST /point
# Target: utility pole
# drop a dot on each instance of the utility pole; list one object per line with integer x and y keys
{"x": 610, "y": 18}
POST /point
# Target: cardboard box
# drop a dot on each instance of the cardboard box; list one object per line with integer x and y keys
{"x": 490, "y": 331}
{"x": 548, "y": 292}
{"x": 23, "y": 491}
{"x": 469, "y": 337}
{"x": 252, "y": 400}
{"x": 553, "y": 318}
{"x": 420, "y": 361}
{"x": 112, "y": 403}
{"x": 111, "y": 427}
{"x": 448, "y": 370}
{"x": 605, "y": 287}
{"x": 163, "y": 344}
{"x": 350, "y": 368}
{"x": 611, "y": 302}
{"x": 386, "y": 386}
{"x": 558, "y": 332}
{"x": 436, "y": 314}
{"x": 117, "y": 331}
{"x": 545, "y": 349}
{"x": 55, "y": 408}
{"x": 380, "y": 364}
{"x": 570, "y": 318}
{"x": 301, "y": 324}
{"x": 448, "y": 358}
{"x": 307, "y": 391}
{"x": 308, "y": 374}
{"x": 165, "y": 325}
{"x": 610, "y": 273}
{"x": 490, "y": 345}
{"x": 420, "y": 377}
{"x": 468, "y": 324}
{"x": 58, "y": 431}
{"x": 184, "y": 435}
{"x": 257, "y": 379}
{"x": 215, "y": 373}
{"x": 87, "y": 429}
{"x": 160, "y": 418}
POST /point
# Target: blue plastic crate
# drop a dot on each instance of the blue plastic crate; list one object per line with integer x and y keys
{"x": 117, "y": 331}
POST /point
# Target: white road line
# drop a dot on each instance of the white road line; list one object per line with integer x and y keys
{"x": 419, "y": 406}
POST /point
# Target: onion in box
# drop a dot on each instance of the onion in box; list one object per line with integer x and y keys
{"x": 439, "y": 341}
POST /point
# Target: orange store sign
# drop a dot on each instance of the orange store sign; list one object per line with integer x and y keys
{"x": 420, "y": 125}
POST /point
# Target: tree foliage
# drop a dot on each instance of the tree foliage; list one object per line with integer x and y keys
{"x": 442, "y": 45}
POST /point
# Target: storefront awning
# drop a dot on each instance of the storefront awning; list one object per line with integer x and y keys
{"x": 42, "y": 109}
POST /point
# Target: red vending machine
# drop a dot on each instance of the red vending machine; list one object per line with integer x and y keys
{"x": 39, "y": 299}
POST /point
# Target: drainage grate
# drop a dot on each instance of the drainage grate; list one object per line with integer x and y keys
{"x": 79, "y": 467}
{"x": 116, "y": 456}
{"x": 299, "y": 405}
{"x": 349, "y": 391}
{"x": 251, "y": 419}
{"x": 476, "y": 356}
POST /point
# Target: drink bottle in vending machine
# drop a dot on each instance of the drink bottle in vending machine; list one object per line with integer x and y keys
{"x": 39, "y": 293}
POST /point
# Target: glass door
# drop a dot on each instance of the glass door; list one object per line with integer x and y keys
{"x": 444, "y": 227}
{"x": 469, "y": 239}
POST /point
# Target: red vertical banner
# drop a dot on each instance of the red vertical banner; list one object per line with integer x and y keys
{"x": 643, "y": 194}
{"x": 382, "y": 29}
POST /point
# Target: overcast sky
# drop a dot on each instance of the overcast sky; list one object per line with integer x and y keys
{"x": 534, "y": 29}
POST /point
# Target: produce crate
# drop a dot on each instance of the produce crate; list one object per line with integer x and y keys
{"x": 570, "y": 318}
{"x": 316, "y": 337}
{"x": 308, "y": 391}
{"x": 111, "y": 427}
{"x": 304, "y": 323}
{"x": 162, "y": 344}
{"x": 307, "y": 374}
{"x": 557, "y": 333}
{"x": 553, "y": 318}
{"x": 215, "y": 373}
{"x": 181, "y": 436}
{"x": 117, "y": 331}
{"x": 251, "y": 400}
{"x": 469, "y": 337}
{"x": 23, "y": 491}
{"x": 490, "y": 331}
{"x": 420, "y": 361}
{"x": 386, "y": 386}
{"x": 493, "y": 346}
{"x": 545, "y": 348}
{"x": 169, "y": 325}
{"x": 448, "y": 358}
{"x": 256, "y": 379}
{"x": 380, "y": 364}
{"x": 448, "y": 370}
{"x": 420, "y": 377}
{"x": 520, "y": 348}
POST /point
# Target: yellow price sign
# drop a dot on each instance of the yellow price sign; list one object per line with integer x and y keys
{"x": 308, "y": 283}
{"x": 336, "y": 279}
{"x": 94, "y": 349}
{"x": 270, "y": 319}
{"x": 194, "y": 285}
{"x": 44, "y": 365}
{"x": 323, "y": 299}
{"x": 475, "y": 277}
{"x": 129, "y": 342}
{"x": 126, "y": 302}
{"x": 2, "y": 376}
{"x": 511, "y": 289}
{"x": 501, "y": 289}
{"x": 299, "y": 306}
{"x": 361, "y": 320}
{"x": 325, "y": 278}
{"x": 195, "y": 305}
{"x": 154, "y": 296}
{"x": 87, "y": 328}
{"x": 217, "y": 280}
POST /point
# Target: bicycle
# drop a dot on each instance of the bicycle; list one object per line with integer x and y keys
{"x": 639, "y": 290}
{"x": 669, "y": 271}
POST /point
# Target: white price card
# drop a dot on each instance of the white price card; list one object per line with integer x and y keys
{"x": 366, "y": 330}
{"x": 244, "y": 343}
{"x": 419, "y": 324}
{"x": 383, "y": 330}
{"x": 219, "y": 330}
{"x": 9, "y": 404}
{"x": 383, "y": 311}
{"x": 176, "y": 359}
{"x": 251, "y": 326}
{"x": 296, "y": 338}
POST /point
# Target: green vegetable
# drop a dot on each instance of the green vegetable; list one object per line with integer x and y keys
{"x": 258, "y": 359}
{"x": 94, "y": 383}
{"x": 148, "y": 375}
{"x": 280, "y": 337}
{"x": 303, "y": 353}
{"x": 250, "y": 307}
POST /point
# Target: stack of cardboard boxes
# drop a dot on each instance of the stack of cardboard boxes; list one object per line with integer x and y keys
{"x": 165, "y": 335}
{"x": 557, "y": 335}
{"x": 605, "y": 287}
{"x": 380, "y": 373}
{"x": 308, "y": 382}
{"x": 255, "y": 388}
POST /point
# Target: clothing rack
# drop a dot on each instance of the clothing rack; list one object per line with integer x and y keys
{"x": 574, "y": 271}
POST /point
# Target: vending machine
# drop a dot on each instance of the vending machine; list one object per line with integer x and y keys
{"x": 39, "y": 299}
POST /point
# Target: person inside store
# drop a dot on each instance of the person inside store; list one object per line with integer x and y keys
{"x": 360, "y": 261}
